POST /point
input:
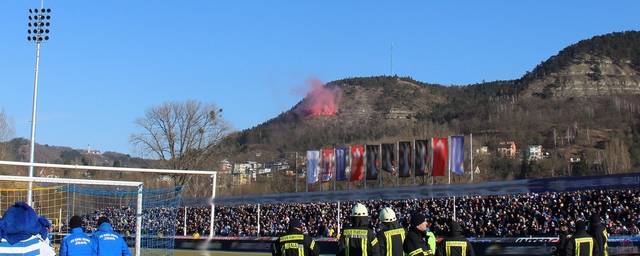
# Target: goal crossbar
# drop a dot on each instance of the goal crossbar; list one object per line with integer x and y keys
{"x": 106, "y": 168}
{"x": 71, "y": 181}
{"x": 139, "y": 185}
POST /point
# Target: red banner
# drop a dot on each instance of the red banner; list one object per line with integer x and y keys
{"x": 357, "y": 163}
{"x": 327, "y": 164}
{"x": 440, "y": 156}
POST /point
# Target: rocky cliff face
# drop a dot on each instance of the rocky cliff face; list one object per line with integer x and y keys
{"x": 588, "y": 76}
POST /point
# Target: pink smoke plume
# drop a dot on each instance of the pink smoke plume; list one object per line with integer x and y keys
{"x": 320, "y": 99}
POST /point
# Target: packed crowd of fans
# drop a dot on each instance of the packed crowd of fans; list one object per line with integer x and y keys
{"x": 532, "y": 214}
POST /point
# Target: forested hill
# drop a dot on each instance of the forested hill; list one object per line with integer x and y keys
{"x": 582, "y": 102}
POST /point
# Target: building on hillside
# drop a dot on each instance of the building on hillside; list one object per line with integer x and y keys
{"x": 535, "y": 152}
{"x": 507, "y": 149}
{"x": 225, "y": 166}
{"x": 240, "y": 168}
{"x": 483, "y": 150}
{"x": 241, "y": 179}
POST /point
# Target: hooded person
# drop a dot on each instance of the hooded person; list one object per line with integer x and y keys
{"x": 416, "y": 242}
{"x": 391, "y": 236}
{"x": 358, "y": 239}
{"x": 108, "y": 242}
{"x": 77, "y": 243}
{"x": 564, "y": 237}
{"x": 295, "y": 242}
{"x": 581, "y": 243}
{"x": 455, "y": 244}
{"x": 23, "y": 232}
{"x": 600, "y": 236}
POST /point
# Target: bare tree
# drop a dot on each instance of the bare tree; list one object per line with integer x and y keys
{"x": 6, "y": 132}
{"x": 182, "y": 135}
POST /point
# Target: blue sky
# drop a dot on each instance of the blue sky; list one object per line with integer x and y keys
{"x": 108, "y": 61}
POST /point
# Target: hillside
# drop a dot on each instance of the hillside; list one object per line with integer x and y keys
{"x": 582, "y": 102}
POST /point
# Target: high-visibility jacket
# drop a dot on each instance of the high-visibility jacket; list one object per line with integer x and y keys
{"x": 416, "y": 244}
{"x": 391, "y": 238}
{"x": 580, "y": 244}
{"x": 455, "y": 244}
{"x": 358, "y": 241}
{"x": 295, "y": 244}
{"x": 431, "y": 241}
{"x": 600, "y": 240}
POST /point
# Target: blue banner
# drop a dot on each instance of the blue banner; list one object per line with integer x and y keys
{"x": 341, "y": 163}
{"x": 313, "y": 166}
{"x": 456, "y": 156}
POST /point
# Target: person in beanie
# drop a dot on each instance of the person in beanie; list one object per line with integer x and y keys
{"x": 581, "y": 243}
{"x": 358, "y": 239}
{"x": 294, "y": 242}
{"x": 391, "y": 235}
{"x": 600, "y": 236}
{"x": 564, "y": 238}
{"x": 455, "y": 244}
{"x": 77, "y": 243}
{"x": 108, "y": 242}
{"x": 416, "y": 242}
{"x": 22, "y": 232}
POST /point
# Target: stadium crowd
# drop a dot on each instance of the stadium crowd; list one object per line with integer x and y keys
{"x": 532, "y": 214}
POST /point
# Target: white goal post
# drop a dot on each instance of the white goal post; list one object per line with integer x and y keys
{"x": 213, "y": 174}
{"x": 135, "y": 184}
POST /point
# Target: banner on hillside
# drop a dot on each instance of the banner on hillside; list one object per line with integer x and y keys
{"x": 357, "y": 163}
{"x": 456, "y": 144}
{"x": 440, "y": 156}
{"x": 373, "y": 161}
{"x": 328, "y": 164}
{"x": 405, "y": 161}
{"x": 342, "y": 163}
{"x": 313, "y": 165}
{"x": 389, "y": 158}
{"x": 422, "y": 157}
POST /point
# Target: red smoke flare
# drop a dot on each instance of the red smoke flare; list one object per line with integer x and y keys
{"x": 320, "y": 100}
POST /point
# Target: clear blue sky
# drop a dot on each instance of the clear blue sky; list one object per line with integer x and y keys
{"x": 108, "y": 61}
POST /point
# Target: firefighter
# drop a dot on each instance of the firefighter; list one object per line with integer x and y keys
{"x": 416, "y": 242}
{"x": 294, "y": 242}
{"x": 391, "y": 235}
{"x": 564, "y": 238}
{"x": 358, "y": 239}
{"x": 600, "y": 236}
{"x": 455, "y": 244}
{"x": 581, "y": 243}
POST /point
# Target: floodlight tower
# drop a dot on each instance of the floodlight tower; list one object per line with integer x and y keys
{"x": 38, "y": 33}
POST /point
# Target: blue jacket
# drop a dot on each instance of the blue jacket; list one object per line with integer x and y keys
{"x": 78, "y": 243}
{"x": 110, "y": 243}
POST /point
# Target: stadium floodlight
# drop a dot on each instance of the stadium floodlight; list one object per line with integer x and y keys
{"x": 38, "y": 29}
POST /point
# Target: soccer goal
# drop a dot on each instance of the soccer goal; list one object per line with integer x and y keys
{"x": 156, "y": 206}
{"x": 52, "y": 200}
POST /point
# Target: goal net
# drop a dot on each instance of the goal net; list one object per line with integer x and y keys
{"x": 146, "y": 218}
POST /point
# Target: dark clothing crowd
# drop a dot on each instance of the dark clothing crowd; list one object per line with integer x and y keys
{"x": 532, "y": 214}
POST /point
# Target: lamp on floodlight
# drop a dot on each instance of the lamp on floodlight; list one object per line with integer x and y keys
{"x": 39, "y": 25}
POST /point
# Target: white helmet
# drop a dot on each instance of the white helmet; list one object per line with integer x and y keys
{"x": 387, "y": 215}
{"x": 359, "y": 210}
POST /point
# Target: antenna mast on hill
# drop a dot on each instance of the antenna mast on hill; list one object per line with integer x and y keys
{"x": 391, "y": 57}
